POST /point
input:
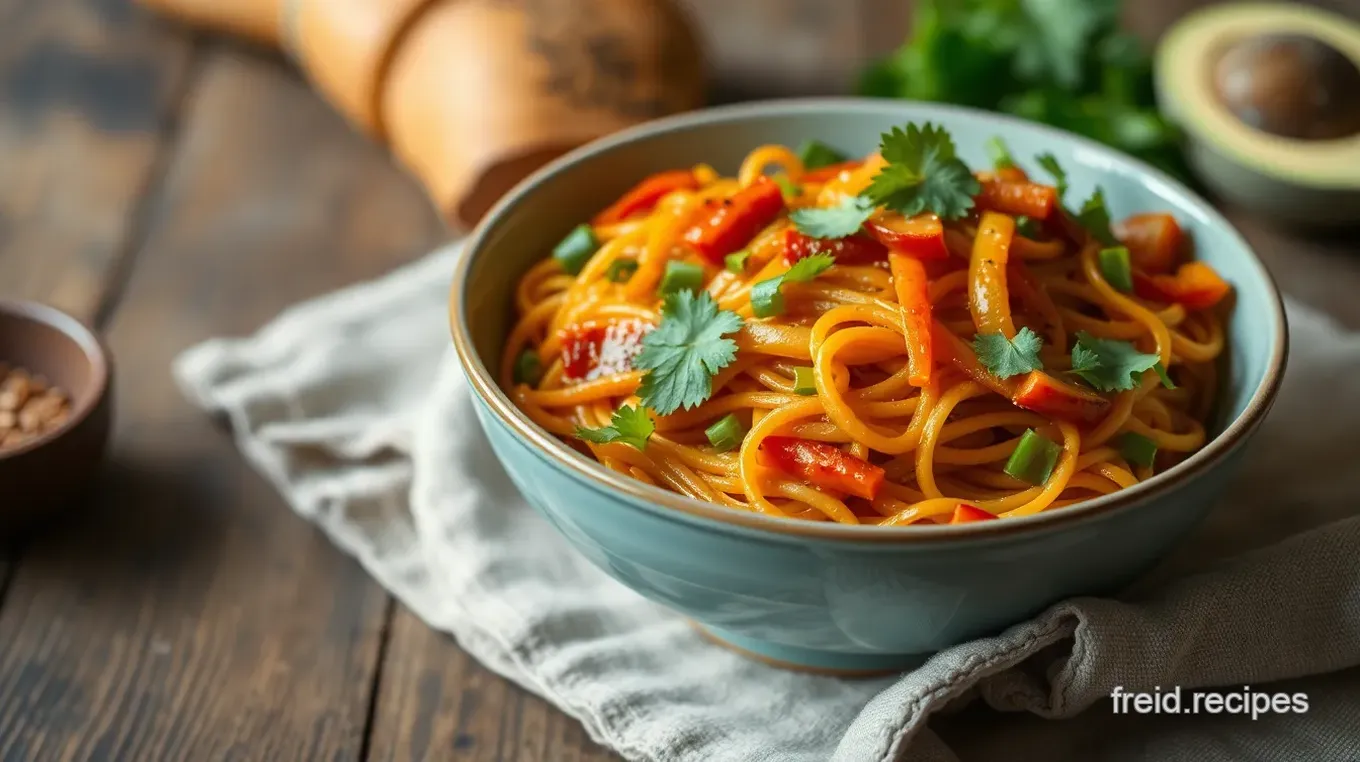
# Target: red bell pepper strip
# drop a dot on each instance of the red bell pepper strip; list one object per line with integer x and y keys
{"x": 1046, "y": 394}
{"x": 645, "y": 194}
{"x": 965, "y": 514}
{"x": 989, "y": 297}
{"x": 921, "y": 236}
{"x": 829, "y": 172}
{"x": 1030, "y": 199}
{"x": 591, "y": 349}
{"x": 729, "y": 224}
{"x": 851, "y": 250}
{"x": 912, "y": 285}
{"x": 1195, "y": 286}
{"x": 822, "y": 465}
{"x": 1153, "y": 241}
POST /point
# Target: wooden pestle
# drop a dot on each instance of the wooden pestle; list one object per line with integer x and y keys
{"x": 472, "y": 95}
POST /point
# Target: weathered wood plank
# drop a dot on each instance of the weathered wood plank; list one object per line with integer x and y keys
{"x": 87, "y": 90}
{"x": 188, "y": 614}
{"x": 435, "y": 702}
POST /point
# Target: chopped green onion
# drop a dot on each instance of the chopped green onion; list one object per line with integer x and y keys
{"x": 1162, "y": 374}
{"x": 1001, "y": 155}
{"x": 576, "y": 249}
{"x": 766, "y": 299}
{"x": 682, "y": 276}
{"x": 1114, "y": 265}
{"x": 726, "y": 434}
{"x": 528, "y": 368}
{"x": 1026, "y": 226}
{"x": 621, "y": 270}
{"x": 1033, "y": 459}
{"x": 804, "y": 381}
{"x": 1137, "y": 449}
{"x": 787, "y": 187}
{"x": 815, "y": 153}
{"x": 736, "y": 261}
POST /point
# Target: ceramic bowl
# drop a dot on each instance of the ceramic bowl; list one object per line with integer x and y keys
{"x": 833, "y": 597}
{"x": 49, "y": 471}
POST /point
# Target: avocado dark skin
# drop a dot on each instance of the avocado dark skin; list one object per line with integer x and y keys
{"x": 1294, "y": 86}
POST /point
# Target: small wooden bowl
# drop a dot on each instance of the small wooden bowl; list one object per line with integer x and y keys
{"x": 49, "y": 471}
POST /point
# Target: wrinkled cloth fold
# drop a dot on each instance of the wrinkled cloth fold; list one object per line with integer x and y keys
{"x": 354, "y": 408}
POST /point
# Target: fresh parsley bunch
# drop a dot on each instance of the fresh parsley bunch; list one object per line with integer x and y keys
{"x": 1061, "y": 62}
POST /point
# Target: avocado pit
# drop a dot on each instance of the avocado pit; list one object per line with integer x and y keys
{"x": 1290, "y": 85}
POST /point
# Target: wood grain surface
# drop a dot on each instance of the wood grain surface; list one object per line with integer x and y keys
{"x": 169, "y": 187}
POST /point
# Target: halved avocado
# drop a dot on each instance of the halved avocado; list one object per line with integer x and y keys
{"x": 1269, "y": 98}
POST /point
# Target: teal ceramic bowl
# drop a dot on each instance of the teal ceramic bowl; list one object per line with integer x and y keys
{"x": 832, "y": 597}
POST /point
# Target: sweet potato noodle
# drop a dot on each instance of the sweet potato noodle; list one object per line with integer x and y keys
{"x": 1017, "y": 358}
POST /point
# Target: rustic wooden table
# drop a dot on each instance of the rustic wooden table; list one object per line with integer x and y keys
{"x": 169, "y": 186}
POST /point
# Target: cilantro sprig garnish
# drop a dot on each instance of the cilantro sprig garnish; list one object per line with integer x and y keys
{"x": 1050, "y": 164}
{"x": 923, "y": 174}
{"x": 1110, "y": 365}
{"x": 839, "y": 221}
{"x": 685, "y": 351}
{"x": 1009, "y": 357}
{"x": 767, "y": 297}
{"x": 629, "y": 425}
{"x": 1095, "y": 217}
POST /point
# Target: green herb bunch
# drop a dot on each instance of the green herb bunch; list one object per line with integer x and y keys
{"x": 1061, "y": 62}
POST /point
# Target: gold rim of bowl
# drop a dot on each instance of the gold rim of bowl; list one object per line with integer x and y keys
{"x": 651, "y": 497}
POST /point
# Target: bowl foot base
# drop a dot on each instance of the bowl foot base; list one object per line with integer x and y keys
{"x": 833, "y": 663}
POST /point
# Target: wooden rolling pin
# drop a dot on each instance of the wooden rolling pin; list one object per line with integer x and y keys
{"x": 472, "y": 95}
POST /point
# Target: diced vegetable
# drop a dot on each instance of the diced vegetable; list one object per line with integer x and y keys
{"x": 965, "y": 514}
{"x": 736, "y": 261}
{"x": 727, "y": 225}
{"x": 921, "y": 236}
{"x": 1154, "y": 241}
{"x": 804, "y": 381}
{"x": 621, "y": 270}
{"x": 591, "y": 349}
{"x": 1033, "y": 459}
{"x": 576, "y": 249}
{"x": 1137, "y": 449}
{"x": 645, "y": 194}
{"x": 681, "y": 276}
{"x": 726, "y": 434}
{"x": 852, "y": 250}
{"x": 1046, "y": 394}
{"x": 1030, "y": 199}
{"x": 912, "y": 287}
{"x": 1114, "y": 265}
{"x": 988, "y": 297}
{"x": 1195, "y": 286}
{"x": 528, "y": 368}
{"x": 822, "y": 465}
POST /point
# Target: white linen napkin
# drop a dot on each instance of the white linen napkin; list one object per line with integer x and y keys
{"x": 355, "y": 409}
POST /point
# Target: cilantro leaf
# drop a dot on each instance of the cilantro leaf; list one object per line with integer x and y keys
{"x": 1050, "y": 164}
{"x": 1009, "y": 357}
{"x": 685, "y": 351}
{"x": 838, "y": 221}
{"x": 923, "y": 174}
{"x": 767, "y": 297}
{"x": 1095, "y": 217}
{"x": 630, "y": 425}
{"x": 1110, "y": 365}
